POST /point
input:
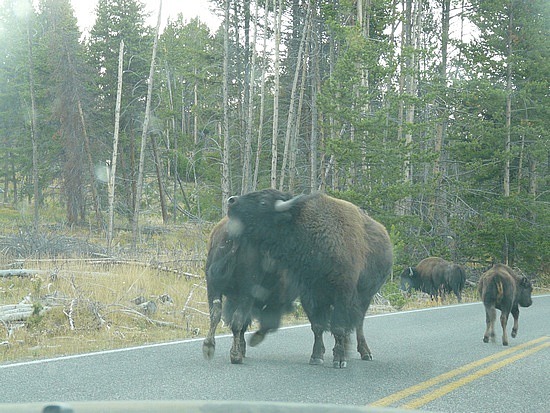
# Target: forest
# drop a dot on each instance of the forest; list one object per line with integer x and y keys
{"x": 432, "y": 115}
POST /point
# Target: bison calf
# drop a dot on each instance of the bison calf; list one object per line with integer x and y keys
{"x": 501, "y": 288}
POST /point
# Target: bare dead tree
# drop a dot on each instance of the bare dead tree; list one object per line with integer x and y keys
{"x": 139, "y": 189}
{"x": 112, "y": 169}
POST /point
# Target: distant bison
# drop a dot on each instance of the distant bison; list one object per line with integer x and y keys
{"x": 250, "y": 286}
{"x": 434, "y": 276}
{"x": 338, "y": 256}
{"x": 502, "y": 288}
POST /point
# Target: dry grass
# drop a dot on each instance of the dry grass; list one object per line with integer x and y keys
{"x": 93, "y": 304}
{"x": 95, "y": 309}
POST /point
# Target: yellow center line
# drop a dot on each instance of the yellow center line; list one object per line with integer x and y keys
{"x": 395, "y": 397}
{"x": 421, "y": 401}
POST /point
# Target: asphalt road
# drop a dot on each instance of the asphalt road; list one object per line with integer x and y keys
{"x": 437, "y": 350}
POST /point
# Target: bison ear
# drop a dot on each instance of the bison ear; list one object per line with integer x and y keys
{"x": 525, "y": 282}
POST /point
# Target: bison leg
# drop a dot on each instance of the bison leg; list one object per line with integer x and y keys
{"x": 318, "y": 353}
{"x": 362, "y": 346}
{"x": 209, "y": 344}
{"x": 458, "y": 294}
{"x": 239, "y": 324}
{"x": 515, "y": 314}
{"x": 490, "y": 316}
{"x": 257, "y": 337}
{"x": 503, "y": 322}
{"x": 339, "y": 360}
{"x": 270, "y": 320}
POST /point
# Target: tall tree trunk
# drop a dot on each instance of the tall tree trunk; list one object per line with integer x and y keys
{"x": 508, "y": 135}
{"x": 315, "y": 79}
{"x": 291, "y": 121}
{"x": 172, "y": 127}
{"x": 262, "y": 101}
{"x": 225, "y": 161}
{"x": 158, "y": 170}
{"x": 112, "y": 167}
{"x": 408, "y": 88}
{"x": 34, "y": 134}
{"x": 246, "y": 185}
{"x": 296, "y": 133}
{"x": 439, "y": 170}
{"x": 135, "y": 221}
{"x": 278, "y": 8}
{"x": 95, "y": 196}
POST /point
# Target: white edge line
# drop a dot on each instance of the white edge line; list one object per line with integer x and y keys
{"x": 191, "y": 340}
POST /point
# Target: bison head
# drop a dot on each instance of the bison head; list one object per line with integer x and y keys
{"x": 409, "y": 279}
{"x": 524, "y": 292}
{"x": 260, "y": 211}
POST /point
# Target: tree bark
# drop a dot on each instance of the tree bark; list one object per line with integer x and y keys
{"x": 262, "y": 106}
{"x": 34, "y": 133}
{"x": 246, "y": 179}
{"x": 291, "y": 121}
{"x": 139, "y": 189}
{"x": 112, "y": 167}
{"x": 278, "y": 17}
{"x": 226, "y": 142}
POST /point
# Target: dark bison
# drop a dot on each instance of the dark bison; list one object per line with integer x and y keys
{"x": 337, "y": 255}
{"x": 250, "y": 286}
{"x": 502, "y": 288}
{"x": 434, "y": 276}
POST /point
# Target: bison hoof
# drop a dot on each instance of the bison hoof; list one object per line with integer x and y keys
{"x": 367, "y": 356}
{"x": 504, "y": 343}
{"x": 514, "y": 333}
{"x": 339, "y": 364}
{"x": 485, "y": 339}
{"x": 316, "y": 361}
{"x": 236, "y": 358}
{"x": 208, "y": 349}
{"x": 256, "y": 338}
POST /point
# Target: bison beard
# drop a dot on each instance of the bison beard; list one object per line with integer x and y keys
{"x": 501, "y": 288}
{"x": 337, "y": 255}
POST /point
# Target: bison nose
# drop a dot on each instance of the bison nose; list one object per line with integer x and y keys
{"x": 231, "y": 200}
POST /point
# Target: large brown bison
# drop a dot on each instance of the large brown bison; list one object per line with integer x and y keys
{"x": 501, "y": 288}
{"x": 338, "y": 256}
{"x": 250, "y": 285}
{"x": 434, "y": 276}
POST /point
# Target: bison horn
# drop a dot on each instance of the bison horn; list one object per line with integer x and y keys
{"x": 282, "y": 206}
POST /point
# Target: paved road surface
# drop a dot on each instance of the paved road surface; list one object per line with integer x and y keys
{"x": 438, "y": 350}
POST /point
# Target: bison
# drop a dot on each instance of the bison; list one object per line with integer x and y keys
{"x": 249, "y": 284}
{"x": 500, "y": 287}
{"x": 434, "y": 276}
{"x": 337, "y": 255}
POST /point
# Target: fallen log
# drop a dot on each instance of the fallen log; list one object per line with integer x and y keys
{"x": 17, "y": 312}
{"x": 21, "y": 272}
{"x": 114, "y": 261}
